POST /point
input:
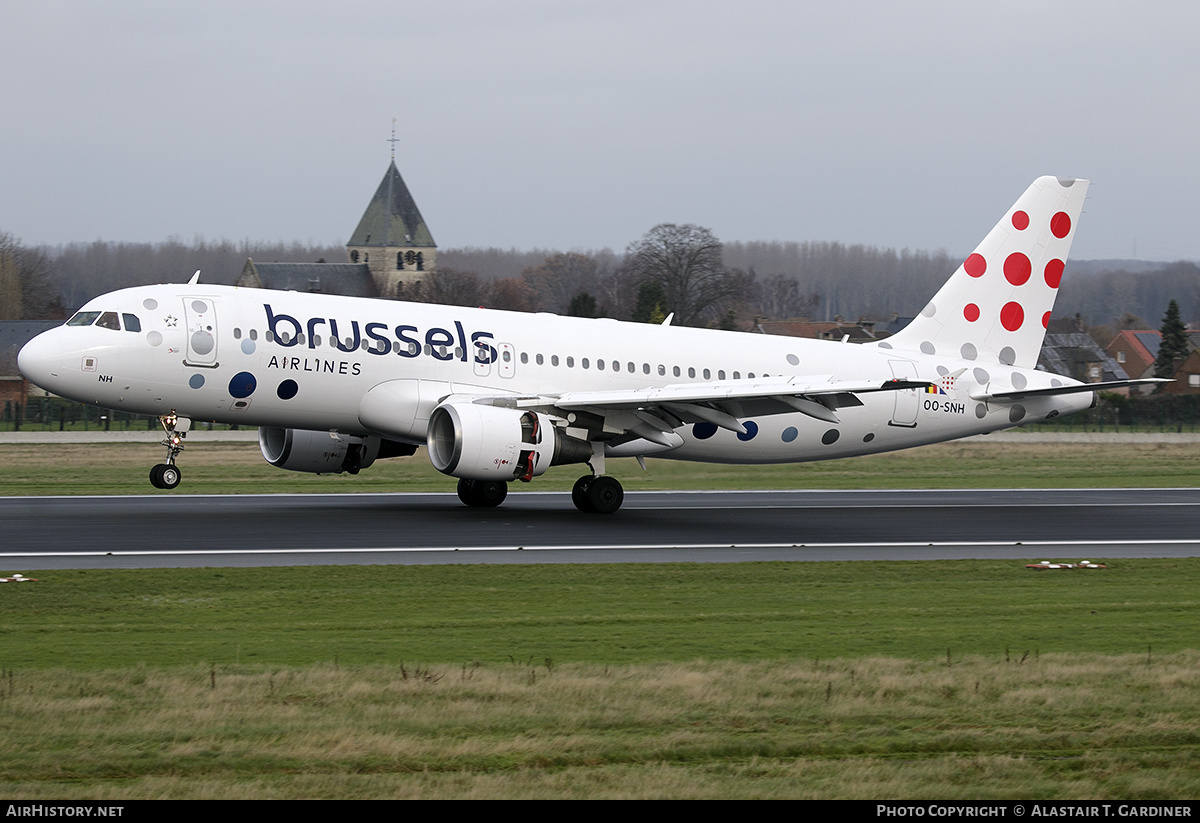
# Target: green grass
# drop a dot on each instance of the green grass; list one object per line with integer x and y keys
{"x": 609, "y": 614}
{"x": 955, "y": 680}
{"x": 1064, "y": 726}
{"x": 235, "y": 468}
{"x": 967, "y": 679}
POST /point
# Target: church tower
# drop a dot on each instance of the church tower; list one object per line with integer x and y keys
{"x": 392, "y": 238}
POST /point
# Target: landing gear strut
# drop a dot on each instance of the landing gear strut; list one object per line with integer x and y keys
{"x": 167, "y": 475}
{"x": 482, "y": 493}
{"x": 597, "y": 495}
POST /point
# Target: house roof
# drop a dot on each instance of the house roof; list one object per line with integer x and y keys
{"x": 392, "y": 218}
{"x": 351, "y": 279}
{"x": 1069, "y": 354}
{"x": 16, "y": 333}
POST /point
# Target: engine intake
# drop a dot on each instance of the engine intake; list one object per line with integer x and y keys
{"x": 478, "y": 442}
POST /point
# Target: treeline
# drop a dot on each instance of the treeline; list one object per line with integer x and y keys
{"x": 85, "y": 270}
{"x": 821, "y": 280}
{"x": 1130, "y": 299}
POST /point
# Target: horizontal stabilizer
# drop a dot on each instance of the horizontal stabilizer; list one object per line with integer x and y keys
{"x": 1079, "y": 387}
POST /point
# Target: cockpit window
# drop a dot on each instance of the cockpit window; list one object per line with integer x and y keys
{"x": 131, "y": 322}
{"x": 109, "y": 320}
{"x": 83, "y": 318}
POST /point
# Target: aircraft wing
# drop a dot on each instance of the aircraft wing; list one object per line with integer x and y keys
{"x": 653, "y": 413}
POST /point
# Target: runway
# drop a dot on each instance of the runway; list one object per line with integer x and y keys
{"x": 543, "y": 527}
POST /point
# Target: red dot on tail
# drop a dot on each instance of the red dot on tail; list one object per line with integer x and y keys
{"x": 1060, "y": 224}
{"x": 971, "y": 312}
{"x": 1017, "y": 268}
{"x": 1020, "y": 220}
{"x": 1012, "y": 316}
{"x": 975, "y": 265}
{"x": 1046, "y": 320}
{"x": 1054, "y": 271}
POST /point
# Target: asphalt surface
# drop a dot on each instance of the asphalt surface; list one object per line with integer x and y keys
{"x": 538, "y": 527}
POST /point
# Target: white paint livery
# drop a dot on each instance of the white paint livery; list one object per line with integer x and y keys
{"x": 336, "y": 382}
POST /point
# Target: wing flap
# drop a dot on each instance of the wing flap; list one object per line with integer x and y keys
{"x": 654, "y": 413}
{"x": 734, "y": 390}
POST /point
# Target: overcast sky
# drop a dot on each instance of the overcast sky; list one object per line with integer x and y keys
{"x": 580, "y": 125}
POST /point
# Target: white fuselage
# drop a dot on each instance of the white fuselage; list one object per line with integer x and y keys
{"x": 268, "y": 358}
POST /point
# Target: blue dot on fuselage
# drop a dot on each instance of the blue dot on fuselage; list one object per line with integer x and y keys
{"x": 247, "y": 346}
{"x": 196, "y": 381}
{"x": 703, "y": 431}
{"x": 242, "y": 385}
{"x": 790, "y": 434}
{"x": 287, "y": 390}
{"x": 751, "y": 431}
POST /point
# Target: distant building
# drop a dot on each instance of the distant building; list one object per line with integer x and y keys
{"x": 1068, "y": 350}
{"x": 1186, "y": 379}
{"x": 390, "y": 248}
{"x": 14, "y": 334}
{"x": 321, "y": 278}
{"x": 861, "y": 331}
{"x": 1137, "y": 351}
{"x": 392, "y": 238}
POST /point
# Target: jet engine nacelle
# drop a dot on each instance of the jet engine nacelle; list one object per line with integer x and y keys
{"x": 478, "y": 442}
{"x": 324, "y": 452}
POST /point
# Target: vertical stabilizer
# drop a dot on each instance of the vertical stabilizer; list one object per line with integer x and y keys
{"x": 996, "y": 306}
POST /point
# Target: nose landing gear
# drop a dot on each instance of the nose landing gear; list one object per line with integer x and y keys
{"x": 167, "y": 475}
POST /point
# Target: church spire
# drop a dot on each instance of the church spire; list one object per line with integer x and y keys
{"x": 392, "y": 238}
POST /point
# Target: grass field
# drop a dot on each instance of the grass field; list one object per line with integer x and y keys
{"x": 969, "y": 679}
{"x": 236, "y": 468}
{"x": 949, "y": 680}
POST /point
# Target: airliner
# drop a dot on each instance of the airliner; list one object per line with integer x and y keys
{"x": 335, "y": 383}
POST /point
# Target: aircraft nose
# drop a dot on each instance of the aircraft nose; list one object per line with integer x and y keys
{"x": 40, "y": 360}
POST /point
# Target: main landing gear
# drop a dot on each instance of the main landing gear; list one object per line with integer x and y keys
{"x": 594, "y": 495}
{"x": 167, "y": 475}
{"x": 597, "y": 495}
{"x": 482, "y": 493}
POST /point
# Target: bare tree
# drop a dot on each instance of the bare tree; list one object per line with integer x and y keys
{"x": 12, "y": 305}
{"x": 452, "y": 287}
{"x": 559, "y": 278}
{"x": 512, "y": 294}
{"x": 780, "y": 296}
{"x": 686, "y": 261}
{"x": 28, "y": 287}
